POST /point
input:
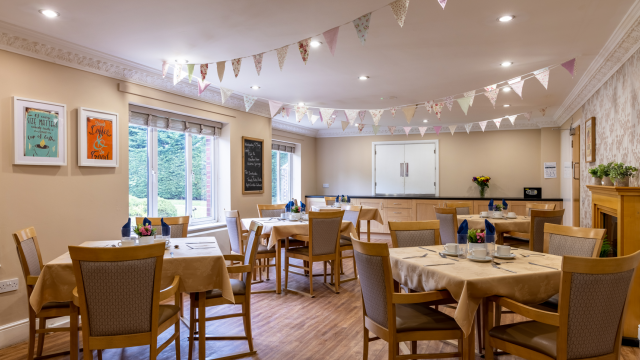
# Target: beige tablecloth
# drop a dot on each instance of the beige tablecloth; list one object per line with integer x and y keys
{"x": 199, "y": 270}
{"x": 469, "y": 282}
{"x": 521, "y": 224}
{"x": 284, "y": 229}
{"x": 366, "y": 213}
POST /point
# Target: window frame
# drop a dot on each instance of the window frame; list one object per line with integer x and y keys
{"x": 278, "y": 195}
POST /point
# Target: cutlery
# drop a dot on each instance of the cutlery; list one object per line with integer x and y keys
{"x": 440, "y": 264}
{"x": 548, "y": 267}
{"x": 445, "y": 257}
{"x": 204, "y": 242}
{"x": 207, "y": 247}
{"x": 413, "y": 257}
{"x": 423, "y": 248}
{"x": 531, "y": 255}
{"x": 499, "y": 268}
{"x": 500, "y": 263}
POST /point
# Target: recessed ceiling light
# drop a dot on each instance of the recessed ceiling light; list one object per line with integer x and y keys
{"x": 425, "y": 120}
{"x": 49, "y": 13}
{"x": 506, "y": 63}
{"x": 506, "y": 105}
{"x": 363, "y": 77}
{"x": 255, "y": 87}
{"x": 506, "y": 18}
{"x": 182, "y": 61}
{"x": 315, "y": 43}
{"x": 506, "y": 89}
{"x": 300, "y": 103}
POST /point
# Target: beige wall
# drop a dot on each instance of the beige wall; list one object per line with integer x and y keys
{"x": 512, "y": 158}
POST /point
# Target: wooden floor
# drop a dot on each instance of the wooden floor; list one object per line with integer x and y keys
{"x": 287, "y": 326}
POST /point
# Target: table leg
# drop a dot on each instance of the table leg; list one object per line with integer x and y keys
{"x": 202, "y": 327}
{"x": 469, "y": 344}
{"x": 480, "y": 325}
{"x": 368, "y": 230}
{"x": 278, "y": 266}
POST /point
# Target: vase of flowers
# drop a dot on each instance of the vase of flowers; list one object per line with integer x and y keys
{"x": 621, "y": 173}
{"x": 344, "y": 199}
{"x": 295, "y": 213}
{"x": 482, "y": 182}
{"x": 146, "y": 234}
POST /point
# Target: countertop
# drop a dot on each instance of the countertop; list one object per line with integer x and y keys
{"x": 432, "y": 197}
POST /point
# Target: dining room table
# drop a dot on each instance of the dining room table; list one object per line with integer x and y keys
{"x": 367, "y": 213}
{"x": 516, "y": 226}
{"x": 528, "y": 278}
{"x": 279, "y": 229}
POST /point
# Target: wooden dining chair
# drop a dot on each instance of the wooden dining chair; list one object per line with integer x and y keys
{"x": 588, "y": 324}
{"x": 241, "y": 296}
{"x": 237, "y": 236}
{"x": 396, "y": 317}
{"x": 179, "y": 225}
{"x": 414, "y": 233}
{"x": 534, "y": 206}
{"x": 118, "y": 293}
{"x": 26, "y": 241}
{"x": 271, "y": 211}
{"x": 329, "y": 200}
{"x": 324, "y": 245}
{"x": 536, "y": 228}
{"x": 462, "y": 207}
{"x": 448, "y": 225}
{"x": 351, "y": 214}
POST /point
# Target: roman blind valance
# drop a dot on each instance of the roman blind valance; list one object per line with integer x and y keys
{"x": 283, "y": 146}
{"x": 143, "y": 116}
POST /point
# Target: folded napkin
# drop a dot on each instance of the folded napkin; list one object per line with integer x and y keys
{"x": 303, "y": 207}
{"x": 348, "y": 199}
{"x": 290, "y": 204}
{"x": 504, "y": 204}
{"x": 126, "y": 229}
{"x": 146, "y": 222}
{"x": 338, "y": 198}
{"x": 489, "y": 229}
{"x": 491, "y": 205}
{"x": 463, "y": 228}
{"x": 166, "y": 229}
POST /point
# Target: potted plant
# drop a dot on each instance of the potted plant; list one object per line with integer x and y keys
{"x": 621, "y": 173}
{"x": 604, "y": 171}
{"x": 146, "y": 233}
{"x": 295, "y": 213}
{"x": 482, "y": 182}
{"x": 595, "y": 174}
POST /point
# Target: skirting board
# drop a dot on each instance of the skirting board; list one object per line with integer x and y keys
{"x": 17, "y": 332}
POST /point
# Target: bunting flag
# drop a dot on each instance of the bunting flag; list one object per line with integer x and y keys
{"x": 362, "y": 27}
{"x": 464, "y": 103}
{"x": 248, "y": 101}
{"x": 375, "y": 129}
{"x": 442, "y": 3}
{"x": 543, "y": 76}
{"x": 492, "y": 94}
{"x": 407, "y": 129}
{"x": 453, "y": 129}
{"x": 409, "y": 111}
{"x": 468, "y": 127}
{"x": 399, "y": 9}
{"x": 422, "y": 130}
{"x": 202, "y": 86}
{"x": 284, "y": 113}
{"x": 282, "y": 55}
{"x": 528, "y": 115}
{"x": 517, "y": 84}
{"x": 331, "y": 37}
{"x": 204, "y": 68}
{"x": 344, "y": 124}
{"x": 429, "y": 105}
{"x": 376, "y": 114}
{"x": 165, "y": 68}
{"x": 393, "y": 111}
{"x": 449, "y": 101}
{"x": 512, "y": 118}
{"x": 437, "y": 108}
{"x": 177, "y": 73}
{"x": 351, "y": 115}
{"x": 497, "y": 121}
{"x": 330, "y": 121}
{"x": 543, "y": 111}
{"x": 190, "y": 68}
{"x": 236, "y": 63}
{"x": 300, "y": 111}
{"x": 220, "y": 65}
{"x": 312, "y": 118}
{"x": 257, "y": 60}
{"x": 570, "y": 66}
{"x": 325, "y": 114}
{"x": 274, "y": 106}
{"x": 360, "y": 127}
{"x": 361, "y": 115}
{"x": 470, "y": 94}
{"x": 483, "y": 124}
{"x": 225, "y": 93}
{"x": 391, "y": 129}
{"x": 303, "y": 46}
{"x": 437, "y": 129}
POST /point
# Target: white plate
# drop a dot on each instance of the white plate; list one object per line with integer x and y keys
{"x": 484, "y": 217}
{"x": 449, "y": 254}
{"x": 508, "y": 257}
{"x": 512, "y": 217}
{"x": 486, "y": 259}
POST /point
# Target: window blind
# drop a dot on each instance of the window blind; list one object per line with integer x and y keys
{"x": 283, "y": 146}
{"x": 148, "y": 117}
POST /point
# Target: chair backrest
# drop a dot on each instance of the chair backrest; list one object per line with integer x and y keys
{"x": 324, "y": 232}
{"x": 270, "y": 211}
{"x": 329, "y": 200}
{"x": 352, "y": 213}
{"x": 534, "y": 206}
{"x": 536, "y": 229}
{"x": 255, "y": 231}
{"x": 572, "y": 241}
{"x": 462, "y": 207}
{"x": 376, "y": 282}
{"x": 448, "y": 225}
{"x": 118, "y": 288}
{"x": 234, "y": 228}
{"x": 28, "y": 249}
{"x": 179, "y": 225}
{"x": 414, "y": 233}
{"x": 593, "y": 299}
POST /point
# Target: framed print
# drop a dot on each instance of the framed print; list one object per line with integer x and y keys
{"x": 39, "y": 132}
{"x": 97, "y": 138}
{"x": 590, "y": 140}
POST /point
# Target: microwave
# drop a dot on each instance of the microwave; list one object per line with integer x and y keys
{"x": 532, "y": 193}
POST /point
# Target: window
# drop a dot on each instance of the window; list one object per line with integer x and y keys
{"x": 281, "y": 172}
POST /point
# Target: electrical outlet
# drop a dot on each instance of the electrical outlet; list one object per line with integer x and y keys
{"x": 8, "y": 285}
{"x": 325, "y": 185}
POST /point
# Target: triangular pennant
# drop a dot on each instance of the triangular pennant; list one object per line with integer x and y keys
{"x": 190, "y": 68}
{"x": 362, "y": 27}
{"x": 437, "y": 129}
{"x": 375, "y": 129}
{"x": 407, "y": 129}
{"x": 468, "y": 127}
{"x": 437, "y": 108}
{"x": 517, "y": 87}
{"x": 220, "y": 65}
{"x": 497, "y": 121}
{"x": 361, "y": 114}
{"x": 225, "y": 93}
{"x": 393, "y": 111}
{"x": 409, "y": 111}
{"x": 391, "y": 129}
{"x": 165, "y": 68}
{"x": 303, "y": 46}
{"x": 282, "y": 55}
{"x": 331, "y": 37}
{"x": 528, "y": 115}
{"x": 399, "y": 9}
{"x": 257, "y": 60}
{"x": 360, "y": 127}
{"x": 492, "y": 94}
{"x": 177, "y": 74}
{"x": 483, "y": 124}
{"x": 376, "y": 114}
{"x": 204, "y": 69}
{"x": 464, "y": 103}
{"x": 202, "y": 86}
{"x": 429, "y": 105}
{"x": 325, "y": 114}
{"x": 452, "y": 128}
{"x": 300, "y": 111}
{"x": 285, "y": 112}
{"x": 248, "y": 101}
{"x": 570, "y": 66}
{"x": 442, "y": 3}
{"x": 344, "y": 124}
{"x": 274, "y": 106}
{"x": 512, "y": 118}
{"x": 351, "y": 115}
{"x": 449, "y": 101}
{"x": 543, "y": 76}
{"x": 236, "y": 63}
{"x": 491, "y": 87}
{"x": 422, "y": 130}
{"x": 543, "y": 111}
{"x": 312, "y": 118}
{"x": 330, "y": 121}
{"x": 470, "y": 94}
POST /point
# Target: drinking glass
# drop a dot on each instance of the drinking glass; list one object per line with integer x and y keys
{"x": 462, "y": 246}
{"x": 490, "y": 241}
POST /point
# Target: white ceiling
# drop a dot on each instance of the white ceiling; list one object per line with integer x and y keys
{"x": 437, "y": 52}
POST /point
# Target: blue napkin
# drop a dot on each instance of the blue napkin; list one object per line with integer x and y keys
{"x": 146, "y": 222}
{"x": 504, "y": 205}
{"x": 491, "y": 205}
{"x": 126, "y": 229}
{"x": 348, "y": 199}
{"x": 463, "y": 228}
{"x": 290, "y": 204}
{"x": 338, "y": 198}
{"x": 303, "y": 207}
{"x": 166, "y": 229}
{"x": 489, "y": 228}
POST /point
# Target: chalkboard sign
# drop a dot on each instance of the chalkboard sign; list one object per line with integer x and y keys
{"x": 252, "y": 165}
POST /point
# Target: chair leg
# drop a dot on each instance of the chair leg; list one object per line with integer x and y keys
{"x": 355, "y": 269}
{"x": 341, "y": 265}
{"x": 192, "y": 323}
{"x": 247, "y": 323}
{"x": 311, "y": 278}
{"x": 365, "y": 345}
{"x": 498, "y": 314}
{"x": 178, "y": 298}
{"x": 338, "y": 269}
{"x": 267, "y": 268}
{"x": 42, "y": 325}
{"x": 73, "y": 333}
{"x": 202, "y": 326}
{"x": 488, "y": 316}
{"x": 99, "y": 354}
{"x": 32, "y": 333}
{"x": 286, "y": 272}
{"x": 260, "y": 261}
{"x": 325, "y": 271}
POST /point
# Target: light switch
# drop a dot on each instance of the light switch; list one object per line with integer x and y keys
{"x": 325, "y": 185}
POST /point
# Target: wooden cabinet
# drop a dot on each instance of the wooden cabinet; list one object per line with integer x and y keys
{"x": 424, "y": 210}
{"x": 313, "y": 202}
{"x": 400, "y": 204}
{"x": 396, "y": 210}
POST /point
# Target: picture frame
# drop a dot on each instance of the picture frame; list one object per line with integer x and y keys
{"x": 98, "y": 138}
{"x": 39, "y": 132}
{"x": 590, "y": 140}
{"x": 252, "y": 165}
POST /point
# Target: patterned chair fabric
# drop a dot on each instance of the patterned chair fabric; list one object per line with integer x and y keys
{"x": 31, "y": 255}
{"x": 176, "y": 230}
{"x": 119, "y": 295}
{"x": 350, "y": 215}
{"x": 463, "y": 211}
{"x": 563, "y": 245}
{"x": 414, "y": 238}
{"x": 447, "y": 233}
{"x": 325, "y": 235}
{"x": 538, "y": 230}
{"x": 374, "y": 287}
{"x": 234, "y": 236}
{"x": 272, "y": 212}
{"x": 247, "y": 254}
{"x": 596, "y": 302}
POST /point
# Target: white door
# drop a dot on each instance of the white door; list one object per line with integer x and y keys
{"x": 420, "y": 169}
{"x": 390, "y": 169}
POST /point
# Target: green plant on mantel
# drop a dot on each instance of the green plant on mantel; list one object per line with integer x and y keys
{"x": 604, "y": 170}
{"x": 594, "y": 172}
{"x": 620, "y": 171}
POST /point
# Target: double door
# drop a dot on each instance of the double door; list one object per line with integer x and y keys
{"x": 405, "y": 169}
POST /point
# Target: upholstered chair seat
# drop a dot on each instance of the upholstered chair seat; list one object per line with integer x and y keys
{"x": 238, "y": 287}
{"x": 531, "y": 335}
{"x": 263, "y": 249}
{"x": 165, "y": 312}
{"x": 420, "y": 317}
{"x": 56, "y": 305}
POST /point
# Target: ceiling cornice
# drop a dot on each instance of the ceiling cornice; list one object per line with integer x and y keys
{"x": 293, "y": 128}
{"x": 623, "y": 43}
{"x": 36, "y": 45}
